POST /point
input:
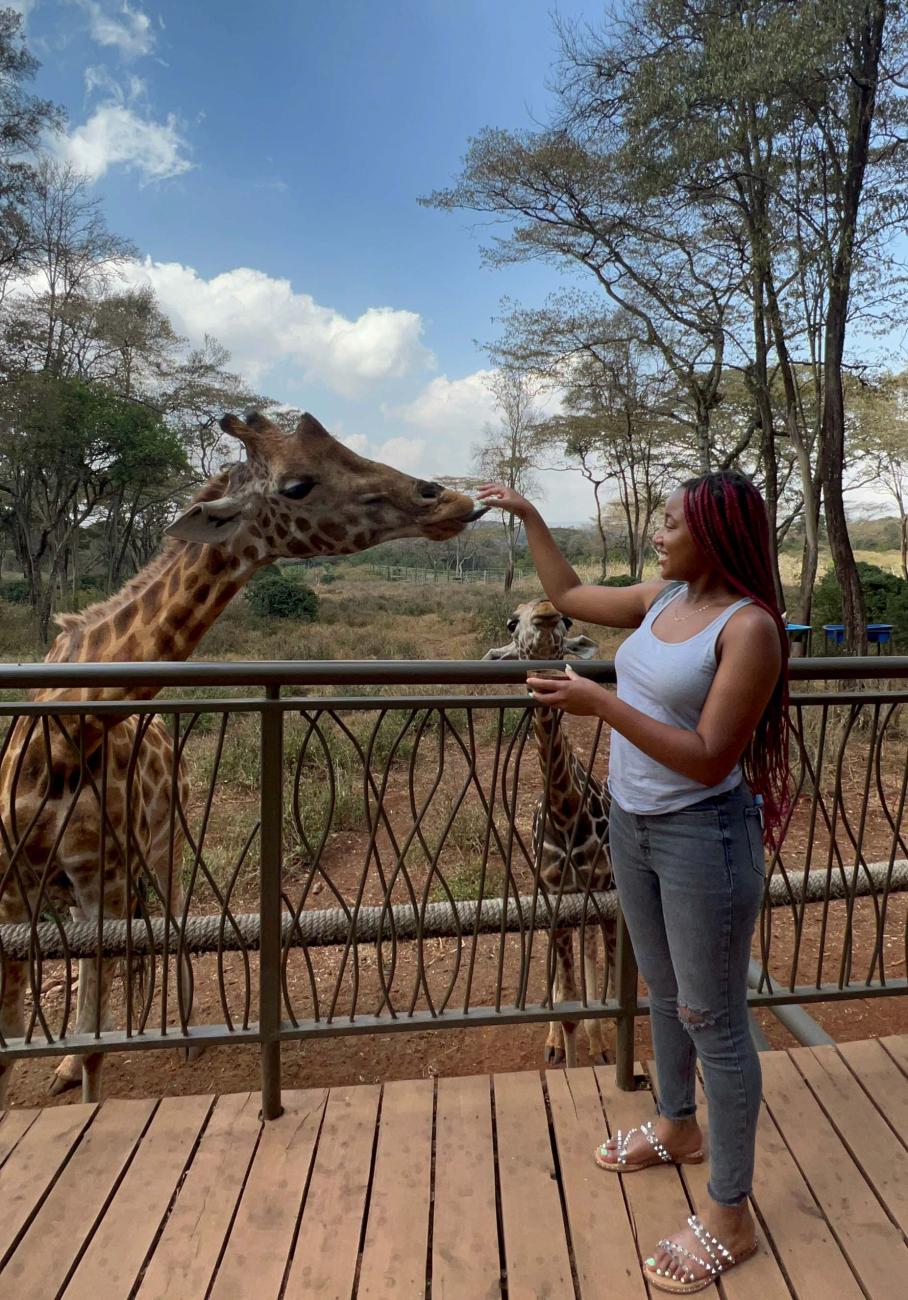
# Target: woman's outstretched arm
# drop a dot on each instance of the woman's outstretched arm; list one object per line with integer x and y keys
{"x": 609, "y": 606}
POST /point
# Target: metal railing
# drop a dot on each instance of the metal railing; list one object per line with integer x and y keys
{"x": 309, "y": 860}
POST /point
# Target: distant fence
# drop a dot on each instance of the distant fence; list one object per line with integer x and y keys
{"x": 429, "y": 577}
{"x": 325, "y": 843}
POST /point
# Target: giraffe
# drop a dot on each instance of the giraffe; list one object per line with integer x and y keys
{"x": 570, "y": 828}
{"x": 294, "y": 494}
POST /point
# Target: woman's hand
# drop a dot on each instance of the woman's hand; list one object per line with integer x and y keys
{"x": 571, "y": 693}
{"x": 500, "y": 497}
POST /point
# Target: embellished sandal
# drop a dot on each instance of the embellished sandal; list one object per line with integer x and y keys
{"x": 605, "y": 1158}
{"x": 717, "y": 1260}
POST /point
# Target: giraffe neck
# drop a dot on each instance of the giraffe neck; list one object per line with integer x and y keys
{"x": 161, "y": 614}
{"x": 555, "y": 756}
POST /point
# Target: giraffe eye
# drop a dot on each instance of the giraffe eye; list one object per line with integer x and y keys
{"x": 568, "y": 622}
{"x": 296, "y": 491}
{"x": 512, "y": 624}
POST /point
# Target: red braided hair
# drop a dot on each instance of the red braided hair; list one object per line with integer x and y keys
{"x": 727, "y": 518}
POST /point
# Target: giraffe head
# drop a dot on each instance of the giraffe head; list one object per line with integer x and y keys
{"x": 305, "y": 493}
{"x": 540, "y": 631}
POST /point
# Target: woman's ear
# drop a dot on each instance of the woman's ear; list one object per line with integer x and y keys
{"x": 581, "y": 646}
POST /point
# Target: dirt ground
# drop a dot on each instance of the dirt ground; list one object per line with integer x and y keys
{"x": 379, "y": 1057}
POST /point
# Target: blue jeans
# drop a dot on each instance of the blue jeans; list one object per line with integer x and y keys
{"x": 690, "y": 885}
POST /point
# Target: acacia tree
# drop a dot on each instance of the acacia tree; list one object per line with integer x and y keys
{"x": 565, "y": 194}
{"x": 754, "y": 146}
{"x": 68, "y": 446}
{"x": 24, "y": 118}
{"x": 506, "y": 454}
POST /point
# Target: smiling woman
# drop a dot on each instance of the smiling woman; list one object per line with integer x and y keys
{"x": 698, "y": 772}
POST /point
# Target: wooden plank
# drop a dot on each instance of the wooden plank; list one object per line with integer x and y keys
{"x": 882, "y": 1079}
{"x": 14, "y": 1124}
{"x": 465, "y": 1260}
{"x": 261, "y": 1238}
{"x": 871, "y": 1242}
{"x": 605, "y": 1253}
{"x": 184, "y": 1259}
{"x": 535, "y": 1243}
{"x": 397, "y": 1228}
{"x": 897, "y": 1047}
{"x": 800, "y": 1235}
{"x": 118, "y": 1248}
{"x": 327, "y": 1246}
{"x": 50, "y": 1248}
{"x": 860, "y": 1126}
{"x": 656, "y": 1198}
{"x": 32, "y": 1167}
{"x": 760, "y": 1277}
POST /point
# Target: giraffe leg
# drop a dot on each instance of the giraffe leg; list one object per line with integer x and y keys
{"x": 13, "y": 983}
{"x": 12, "y": 1014}
{"x": 563, "y": 1032}
{"x": 194, "y": 1050}
{"x": 68, "y": 1074}
{"x": 92, "y": 1003}
{"x": 595, "y": 1029}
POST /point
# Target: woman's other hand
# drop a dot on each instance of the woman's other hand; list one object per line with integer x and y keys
{"x": 500, "y": 497}
{"x": 570, "y": 693}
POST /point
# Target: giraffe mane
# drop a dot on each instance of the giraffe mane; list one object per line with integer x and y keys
{"x": 74, "y": 623}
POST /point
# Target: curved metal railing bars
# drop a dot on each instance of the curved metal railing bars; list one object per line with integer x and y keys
{"x": 408, "y": 810}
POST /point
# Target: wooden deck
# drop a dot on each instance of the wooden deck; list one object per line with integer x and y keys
{"x": 485, "y": 1186}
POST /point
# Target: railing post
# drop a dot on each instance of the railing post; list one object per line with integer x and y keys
{"x": 272, "y": 753}
{"x": 626, "y": 994}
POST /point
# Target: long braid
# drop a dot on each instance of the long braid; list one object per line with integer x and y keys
{"x": 727, "y": 518}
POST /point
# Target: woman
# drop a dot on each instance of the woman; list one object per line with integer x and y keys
{"x": 698, "y": 773}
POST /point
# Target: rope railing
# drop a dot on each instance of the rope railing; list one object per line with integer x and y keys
{"x": 332, "y": 927}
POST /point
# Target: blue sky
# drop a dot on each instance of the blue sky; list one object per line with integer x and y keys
{"x": 266, "y": 160}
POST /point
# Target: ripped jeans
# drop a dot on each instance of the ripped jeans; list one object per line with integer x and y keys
{"x": 690, "y": 885}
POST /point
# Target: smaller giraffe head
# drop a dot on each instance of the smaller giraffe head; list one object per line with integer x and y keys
{"x": 304, "y": 493}
{"x": 540, "y": 631}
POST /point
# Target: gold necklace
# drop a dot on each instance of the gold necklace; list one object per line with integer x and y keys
{"x": 699, "y": 610}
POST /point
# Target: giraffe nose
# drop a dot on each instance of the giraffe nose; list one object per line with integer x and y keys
{"x": 429, "y": 491}
{"x": 545, "y": 615}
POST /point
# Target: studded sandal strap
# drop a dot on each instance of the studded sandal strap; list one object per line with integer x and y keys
{"x": 721, "y": 1258}
{"x": 650, "y": 1134}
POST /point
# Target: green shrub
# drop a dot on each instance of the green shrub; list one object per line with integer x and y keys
{"x": 885, "y": 597}
{"x": 276, "y": 596}
{"x": 17, "y": 591}
{"x": 620, "y": 580}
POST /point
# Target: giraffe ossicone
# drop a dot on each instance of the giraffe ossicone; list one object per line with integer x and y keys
{"x": 570, "y": 826}
{"x": 294, "y": 494}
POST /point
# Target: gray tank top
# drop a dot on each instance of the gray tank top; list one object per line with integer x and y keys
{"x": 669, "y": 683}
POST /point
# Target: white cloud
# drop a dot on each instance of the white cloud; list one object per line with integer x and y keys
{"x": 264, "y": 322}
{"x": 127, "y": 30}
{"x": 453, "y": 409}
{"x": 116, "y": 136}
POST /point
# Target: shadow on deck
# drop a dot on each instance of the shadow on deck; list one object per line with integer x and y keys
{"x": 462, "y": 1189}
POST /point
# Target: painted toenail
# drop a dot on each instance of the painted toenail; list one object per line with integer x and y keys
{"x": 650, "y": 1263}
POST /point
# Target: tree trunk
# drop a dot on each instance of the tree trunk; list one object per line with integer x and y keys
{"x": 810, "y": 556}
{"x": 862, "y": 101}
{"x": 603, "y": 539}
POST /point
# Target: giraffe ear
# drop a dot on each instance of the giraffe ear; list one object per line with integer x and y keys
{"x": 580, "y": 646}
{"x": 503, "y": 652}
{"x": 211, "y": 522}
{"x": 309, "y": 427}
